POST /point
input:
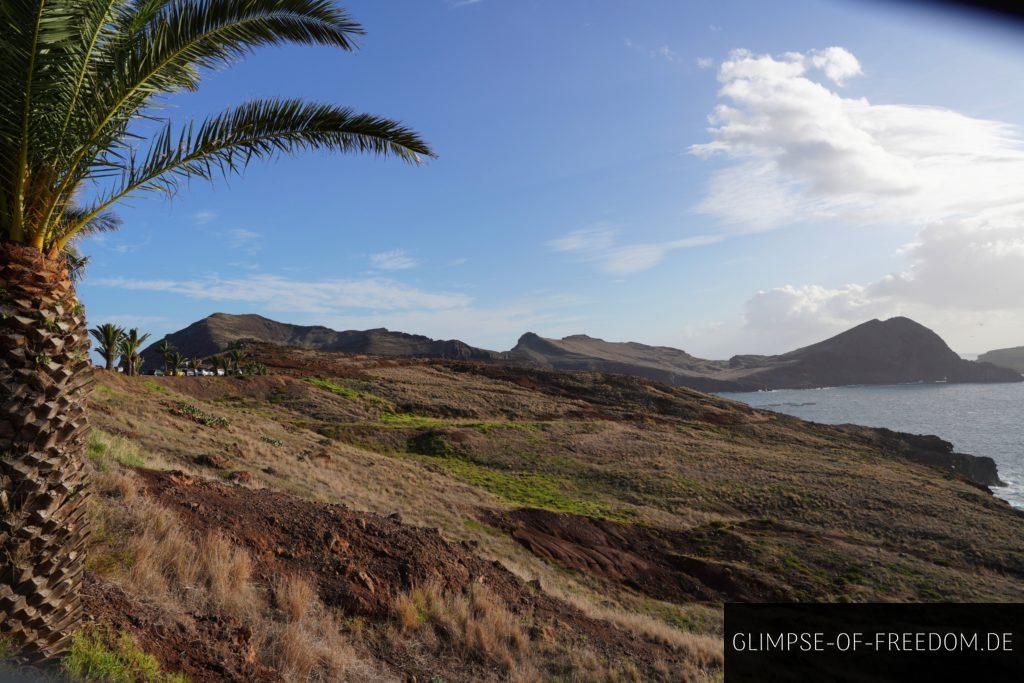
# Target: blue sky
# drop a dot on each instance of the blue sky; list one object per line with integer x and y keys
{"x": 862, "y": 169}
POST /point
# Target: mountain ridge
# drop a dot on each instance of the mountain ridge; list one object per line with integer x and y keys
{"x": 893, "y": 351}
{"x": 1012, "y": 357}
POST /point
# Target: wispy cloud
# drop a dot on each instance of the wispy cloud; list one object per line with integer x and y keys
{"x": 396, "y": 259}
{"x": 243, "y": 240}
{"x": 204, "y": 217}
{"x": 656, "y": 52}
{"x": 705, "y": 62}
{"x": 368, "y": 303}
{"x": 600, "y": 245}
{"x": 277, "y": 293}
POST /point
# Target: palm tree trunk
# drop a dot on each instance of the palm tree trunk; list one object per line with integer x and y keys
{"x": 44, "y": 376}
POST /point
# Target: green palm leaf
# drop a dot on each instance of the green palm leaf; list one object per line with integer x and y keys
{"x": 77, "y": 76}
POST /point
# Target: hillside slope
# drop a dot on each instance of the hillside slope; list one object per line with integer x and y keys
{"x": 592, "y": 523}
{"x": 215, "y": 333}
{"x": 894, "y": 351}
{"x": 1012, "y": 358}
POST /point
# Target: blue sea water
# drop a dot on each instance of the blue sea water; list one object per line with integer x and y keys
{"x": 980, "y": 419}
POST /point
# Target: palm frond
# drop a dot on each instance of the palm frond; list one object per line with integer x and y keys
{"x": 78, "y": 76}
{"x": 262, "y": 129}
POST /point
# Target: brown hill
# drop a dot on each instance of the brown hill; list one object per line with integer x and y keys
{"x": 894, "y": 351}
{"x": 217, "y": 332}
{"x": 1012, "y": 358}
{"x": 352, "y": 517}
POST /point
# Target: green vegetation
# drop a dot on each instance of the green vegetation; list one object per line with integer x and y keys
{"x": 104, "y": 448}
{"x": 351, "y": 393}
{"x": 412, "y": 421}
{"x": 7, "y": 648}
{"x": 330, "y": 386}
{"x": 99, "y": 655}
{"x": 153, "y": 386}
{"x": 474, "y": 525}
{"x": 272, "y": 441}
{"x": 200, "y": 416}
{"x": 533, "y": 489}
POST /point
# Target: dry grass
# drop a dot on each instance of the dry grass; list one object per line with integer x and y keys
{"x": 374, "y": 481}
{"x": 294, "y": 596}
{"x": 476, "y": 624}
{"x": 144, "y": 549}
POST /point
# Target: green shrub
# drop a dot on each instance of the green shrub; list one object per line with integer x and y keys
{"x": 200, "y": 416}
{"x": 101, "y": 655}
{"x": 105, "y": 448}
{"x": 330, "y": 386}
{"x": 430, "y": 443}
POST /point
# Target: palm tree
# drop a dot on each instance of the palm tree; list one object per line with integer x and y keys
{"x": 175, "y": 362}
{"x": 78, "y": 133}
{"x": 257, "y": 369}
{"x": 108, "y": 336}
{"x": 131, "y": 343}
{"x": 236, "y": 355}
{"x": 197, "y": 365}
{"x": 165, "y": 348}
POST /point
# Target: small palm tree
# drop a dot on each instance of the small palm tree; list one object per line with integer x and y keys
{"x": 257, "y": 369}
{"x": 165, "y": 348}
{"x": 129, "y": 349}
{"x": 80, "y": 130}
{"x": 175, "y": 362}
{"x": 108, "y": 336}
{"x": 197, "y": 365}
{"x": 235, "y": 356}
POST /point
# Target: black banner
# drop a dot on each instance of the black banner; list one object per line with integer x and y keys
{"x": 874, "y": 642}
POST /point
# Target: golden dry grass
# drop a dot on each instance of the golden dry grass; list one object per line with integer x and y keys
{"x": 144, "y": 549}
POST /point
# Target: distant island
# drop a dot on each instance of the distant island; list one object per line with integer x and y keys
{"x": 893, "y": 351}
{"x": 1012, "y": 358}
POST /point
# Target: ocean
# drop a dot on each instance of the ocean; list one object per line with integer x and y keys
{"x": 980, "y": 419}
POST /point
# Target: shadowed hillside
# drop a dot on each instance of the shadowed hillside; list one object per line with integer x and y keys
{"x": 217, "y": 332}
{"x": 360, "y": 517}
{"x": 893, "y": 351}
{"x": 1012, "y": 358}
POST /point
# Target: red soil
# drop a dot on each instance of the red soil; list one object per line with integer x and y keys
{"x": 359, "y": 563}
{"x": 657, "y": 562}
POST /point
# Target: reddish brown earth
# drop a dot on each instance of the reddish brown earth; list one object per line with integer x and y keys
{"x": 358, "y": 561}
{"x": 204, "y": 647}
{"x": 661, "y": 563}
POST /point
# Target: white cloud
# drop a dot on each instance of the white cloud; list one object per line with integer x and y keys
{"x": 799, "y": 151}
{"x": 705, "y": 62}
{"x": 244, "y": 240}
{"x": 600, "y": 246}
{"x": 666, "y": 53}
{"x": 276, "y": 293}
{"x": 396, "y": 259}
{"x": 204, "y": 217}
{"x": 824, "y": 156}
{"x": 837, "y": 63}
{"x": 659, "y": 52}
